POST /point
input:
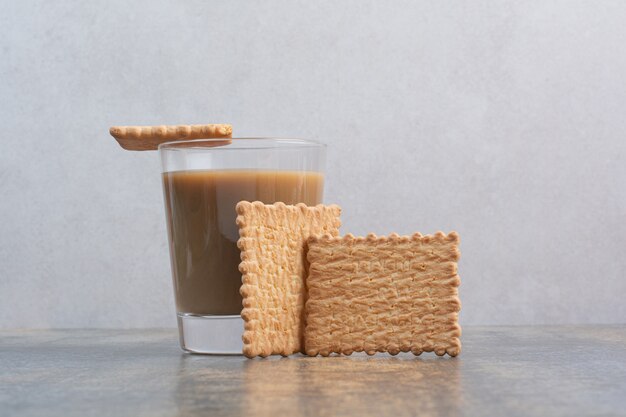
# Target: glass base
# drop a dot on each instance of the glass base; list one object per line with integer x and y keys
{"x": 210, "y": 335}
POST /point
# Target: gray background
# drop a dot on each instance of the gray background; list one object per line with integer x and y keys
{"x": 502, "y": 120}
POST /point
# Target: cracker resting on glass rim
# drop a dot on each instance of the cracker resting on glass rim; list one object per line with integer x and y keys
{"x": 147, "y": 138}
{"x": 274, "y": 266}
{"x": 383, "y": 294}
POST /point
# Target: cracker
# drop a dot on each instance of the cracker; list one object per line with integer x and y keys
{"x": 146, "y": 138}
{"x": 383, "y": 294}
{"x": 273, "y": 263}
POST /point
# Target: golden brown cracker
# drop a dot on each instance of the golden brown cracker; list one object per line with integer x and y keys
{"x": 383, "y": 294}
{"x": 146, "y": 138}
{"x": 273, "y": 263}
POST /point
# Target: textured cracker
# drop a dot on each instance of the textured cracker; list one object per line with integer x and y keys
{"x": 383, "y": 294}
{"x": 147, "y": 138}
{"x": 273, "y": 263}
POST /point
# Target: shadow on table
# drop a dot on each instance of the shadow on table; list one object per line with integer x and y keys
{"x": 360, "y": 385}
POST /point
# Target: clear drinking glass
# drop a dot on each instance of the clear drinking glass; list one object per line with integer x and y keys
{"x": 203, "y": 180}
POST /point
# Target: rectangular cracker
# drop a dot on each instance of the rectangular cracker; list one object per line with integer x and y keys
{"x": 273, "y": 263}
{"x": 148, "y": 138}
{"x": 383, "y": 294}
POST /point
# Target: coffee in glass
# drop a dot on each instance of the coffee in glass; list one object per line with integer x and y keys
{"x": 203, "y": 180}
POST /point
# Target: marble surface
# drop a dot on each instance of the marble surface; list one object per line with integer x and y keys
{"x": 529, "y": 371}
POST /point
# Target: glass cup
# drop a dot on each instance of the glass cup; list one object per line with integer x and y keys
{"x": 203, "y": 180}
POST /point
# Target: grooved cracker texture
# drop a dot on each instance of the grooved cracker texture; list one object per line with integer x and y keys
{"x": 273, "y": 263}
{"x": 383, "y": 294}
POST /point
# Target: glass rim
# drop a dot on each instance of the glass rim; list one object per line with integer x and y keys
{"x": 251, "y": 144}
